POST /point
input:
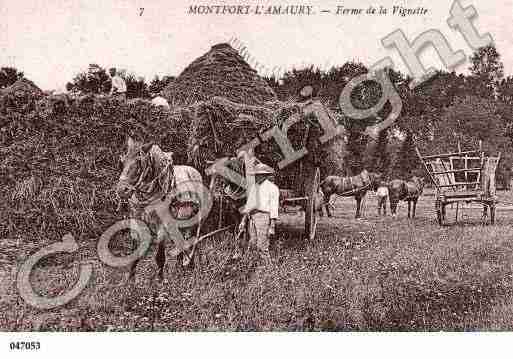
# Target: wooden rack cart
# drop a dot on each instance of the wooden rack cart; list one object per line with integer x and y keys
{"x": 462, "y": 177}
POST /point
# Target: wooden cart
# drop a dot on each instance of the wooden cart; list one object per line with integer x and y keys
{"x": 300, "y": 179}
{"x": 462, "y": 177}
{"x": 306, "y": 182}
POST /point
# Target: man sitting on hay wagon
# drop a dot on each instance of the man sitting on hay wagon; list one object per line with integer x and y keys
{"x": 261, "y": 210}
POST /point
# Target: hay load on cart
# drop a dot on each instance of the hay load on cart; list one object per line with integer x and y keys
{"x": 221, "y": 127}
{"x": 226, "y": 105}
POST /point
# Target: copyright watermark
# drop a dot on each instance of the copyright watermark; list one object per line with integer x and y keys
{"x": 170, "y": 227}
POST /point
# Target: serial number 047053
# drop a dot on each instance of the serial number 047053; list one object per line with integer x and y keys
{"x": 25, "y": 346}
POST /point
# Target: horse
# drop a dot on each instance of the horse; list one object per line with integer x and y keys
{"x": 355, "y": 186}
{"x": 148, "y": 177}
{"x": 409, "y": 191}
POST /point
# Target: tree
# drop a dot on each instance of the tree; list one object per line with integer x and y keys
{"x": 380, "y": 157}
{"x": 469, "y": 120}
{"x": 135, "y": 86}
{"x": 407, "y": 162}
{"x": 505, "y": 91}
{"x": 293, "y": 81}
{"x": 157, "y": 85}
{"x": 8, "y": 76}
{"x": 423, "y": 106}
{"x": 335, "y": 80}
{"x": 94, "y": 80}
{"x": 486, "y": 70}
{"x": 356, "y": 145}
{"x": 473, "y": 119}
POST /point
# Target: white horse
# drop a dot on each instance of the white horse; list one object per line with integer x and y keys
{"x": 147, "y": 178}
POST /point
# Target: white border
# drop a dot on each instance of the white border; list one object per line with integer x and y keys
{"x": 260, "y": 345}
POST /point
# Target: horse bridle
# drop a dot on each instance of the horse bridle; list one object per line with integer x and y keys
{"x": 136, "y": 188}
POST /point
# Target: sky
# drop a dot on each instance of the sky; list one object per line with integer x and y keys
{"x": 53, "y": 40}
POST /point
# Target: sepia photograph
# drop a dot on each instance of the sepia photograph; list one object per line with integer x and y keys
{"x": 248, "y": 166}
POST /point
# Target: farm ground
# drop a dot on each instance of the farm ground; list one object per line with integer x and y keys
{"x": 376, "y": 274}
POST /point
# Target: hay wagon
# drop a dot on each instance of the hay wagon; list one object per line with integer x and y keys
{"x": 462, "y": 177}
{"x": 299, "y": 187}
{"x": 221, "y": 128}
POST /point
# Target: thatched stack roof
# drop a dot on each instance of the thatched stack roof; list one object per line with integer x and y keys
{"x": 220, "y": 72}
{"x": 24, "y": 86}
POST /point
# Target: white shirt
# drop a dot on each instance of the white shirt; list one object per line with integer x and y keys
{"x": 119, "y": 84}
{"x": 160, "y": 101}
{"x": 264, "y": 197}
{"x": 382, "y": 191}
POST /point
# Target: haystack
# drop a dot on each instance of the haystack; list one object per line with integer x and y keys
{"x": 220, "y": 72}
{"x": 22, "y": 87}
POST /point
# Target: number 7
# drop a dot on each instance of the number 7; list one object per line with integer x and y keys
{"x": 142, "y": 10}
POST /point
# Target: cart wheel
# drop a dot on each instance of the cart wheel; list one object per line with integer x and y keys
{"x": 438, "y": 209}
{"x": 312, "y": 190}
{"x": 439, "y": 217}
{"x": 440, "y": 212}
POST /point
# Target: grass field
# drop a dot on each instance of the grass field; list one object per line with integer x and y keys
{"x": 393, "y": 274}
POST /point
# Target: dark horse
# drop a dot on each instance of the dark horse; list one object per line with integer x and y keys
{"x": 355, "y": 186}
{"x": 410, "y": 192}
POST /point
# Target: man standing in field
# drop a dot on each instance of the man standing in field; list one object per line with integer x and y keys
{"x": 118, "y": 86}
{"x": 261, "y": 210}
{"x": 382, "y": 194}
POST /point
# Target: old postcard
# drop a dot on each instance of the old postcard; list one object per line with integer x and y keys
{"x": 248, "y": 166}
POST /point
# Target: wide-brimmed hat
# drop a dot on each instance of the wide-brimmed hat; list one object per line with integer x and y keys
{"x": 306, "y": 91}
{"x": 262, "y": 169}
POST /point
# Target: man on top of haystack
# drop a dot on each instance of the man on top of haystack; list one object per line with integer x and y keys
{"x": 261, "y": 210}
{"x": 306, "y": 94}
{"x": 118, "y": 85}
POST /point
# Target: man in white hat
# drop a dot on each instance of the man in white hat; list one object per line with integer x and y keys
{"x": 262, "y": 208}
{"x": 306, "y": 94}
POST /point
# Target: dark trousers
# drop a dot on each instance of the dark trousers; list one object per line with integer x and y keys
{"x": 382, "y": 203}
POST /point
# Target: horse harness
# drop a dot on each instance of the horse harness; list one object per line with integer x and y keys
{"x": 355, "y": 189}
{"x": 164, "y": 178}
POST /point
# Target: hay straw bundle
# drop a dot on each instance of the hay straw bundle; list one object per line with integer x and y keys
{"x": 220, "y": 72}
{"x": 23, "y": 85}
{"x": 58, "y": 169}
{"x": 62, "y": 165}
{"x": 20, "y": 96}
{"x": 220, "y": 127}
